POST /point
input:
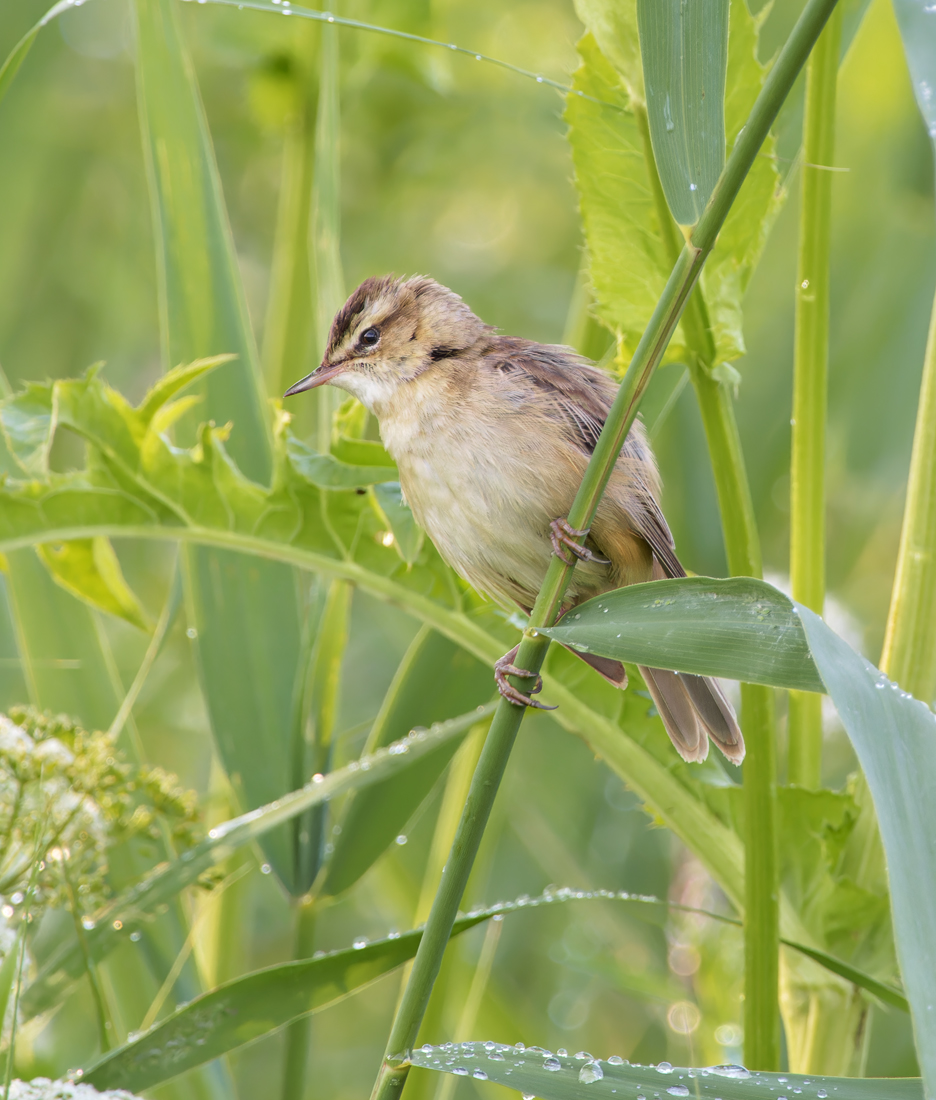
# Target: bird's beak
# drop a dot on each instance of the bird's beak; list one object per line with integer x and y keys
{"x": 322, "y": 374}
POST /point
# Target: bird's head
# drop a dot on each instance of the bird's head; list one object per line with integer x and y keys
{"x": 387, "y": 333}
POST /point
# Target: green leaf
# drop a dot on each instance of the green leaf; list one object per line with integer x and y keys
{"x": 541, "y": 1073}
{"x": 135, "y": 908}
{"x": 328, "y": 472}
{"x": 17, "y": 55}
{"x": 613, "y": 26}
{"x": 395, "y": 512}
{"x": 247, "y": 1009}
{"x": 740, "y": 629}
{"x": 684, "y": 48}
{"x": 628, "y": 262}
{"x": 918, "y": 31}
{"x": 631, "y": 238}
{"x": 436, "y": 680}
{"x": 28, "y": 427}
{"x": 743, "y": 236}
{"x": 894, "y": 737}
{"x": 89, "y": 569}
{"x": 252, "y": 679}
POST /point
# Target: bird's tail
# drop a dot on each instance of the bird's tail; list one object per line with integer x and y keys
{"x": 694, "y": 709}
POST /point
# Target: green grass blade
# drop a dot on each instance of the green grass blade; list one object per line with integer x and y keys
{"x": 538, "y": 1072}
{"x": 684, "y": 48}
{"x": 251, "y": 678}
{"x": 133, "y": 909}
{"x": 894, "y": 736}
{"x": 17, "y": 55}
{"x": 740, "y": 629}
{"x": 436, "y": 680}
{"x": 247, "y": 1009}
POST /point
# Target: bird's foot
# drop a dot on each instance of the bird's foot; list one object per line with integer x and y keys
{"x": 504, "y": 668}
{"x": 563, "y": 537}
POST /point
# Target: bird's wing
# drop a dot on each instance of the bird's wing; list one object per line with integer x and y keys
{"x": 578, "y": 396}
{"x": 650, "y": 522}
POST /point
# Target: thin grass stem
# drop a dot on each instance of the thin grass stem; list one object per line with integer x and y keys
{"x": 810, "y": 384}
{"x": 507, "y": 718}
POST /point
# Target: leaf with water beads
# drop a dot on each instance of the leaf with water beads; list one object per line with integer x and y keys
{"x": 535, "y": 1072}
{"x": 126, "y": 914}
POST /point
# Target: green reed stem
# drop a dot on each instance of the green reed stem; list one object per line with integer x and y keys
{"x": 909, "y": 654}
{"x": 742, "y": 546}
{"x": 508, "y": 716}
{"x": 810, "y": 383}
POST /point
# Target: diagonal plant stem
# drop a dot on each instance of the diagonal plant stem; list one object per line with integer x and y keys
{"x": 503, "y": 732}
{"x": 810, "y": 374}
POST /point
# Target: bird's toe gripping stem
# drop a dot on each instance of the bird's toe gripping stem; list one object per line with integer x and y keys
{"x": 563, "y": 537}
{"x": 504, "y": 668}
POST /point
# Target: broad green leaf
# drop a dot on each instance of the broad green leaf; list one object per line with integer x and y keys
{"x": 613, "y": 26}
{"x": 436, "y": 680}
{"x": 628, "y": 227}
{"x": 740, "y": 629}
{"x": 917, "y": 22}
{"x": 393, "y": 509}
{"x": 684, "y": 48}
{"x": 329, "y": 472}
{"x": 247, "y": 1009}
{"x": 538, "y": 1072}
{"x": 894, "y": 737}
{"x": 89, "y": 569}
{"x": 361, "y": 452}
{"x": 28, "y": 427}
{"x": 628, "y": 262}
{"x": 135, "y": 908}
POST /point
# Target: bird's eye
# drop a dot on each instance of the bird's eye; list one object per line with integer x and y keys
{"x": 370, "y": 337}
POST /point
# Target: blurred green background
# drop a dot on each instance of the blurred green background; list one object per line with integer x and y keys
{"x": 460, "y": 170}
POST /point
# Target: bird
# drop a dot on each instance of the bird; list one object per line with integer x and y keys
{"x": 491, "y": 435}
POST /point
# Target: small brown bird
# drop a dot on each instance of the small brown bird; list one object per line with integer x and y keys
{"x": 491, "y": 435}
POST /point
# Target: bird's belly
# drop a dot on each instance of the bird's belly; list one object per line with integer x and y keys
{"x": 488, "y": 512}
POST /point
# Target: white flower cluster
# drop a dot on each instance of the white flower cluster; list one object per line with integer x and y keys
{"x": 41, "y": 1088}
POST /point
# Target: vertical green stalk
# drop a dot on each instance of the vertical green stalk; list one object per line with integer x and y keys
{"x": 761, "y": 869}
{"x": 325, "y": 229}
{"x": 507, "y": 718}
{"x": 810, "y": 384}
{"x": 312, "y": 756}
{"x": 909, "y": 654}
{"x": 742, "y": 546}
{"x": 289, "y": 326}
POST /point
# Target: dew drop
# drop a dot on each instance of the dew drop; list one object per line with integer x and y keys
{"x": 528, "y": 1096}
{"x": 615, "y": 1060}
{"x": 590, "y": 1072}
{"x": 191, "y": 632}
{"x": 87, "y": 923}
{"x": 678, "y": 1090}
{"x": 665, "y": 1067}
{"x": 552, "y": 1064}
{"x": 480, "y": 1075}
{"x": 460, "y": 1071}
{"x": 822, "y": 1094}
{"x": 738, "y": 1072}
{"x": 359, "y": 943}
{"x": 136, "y": 936}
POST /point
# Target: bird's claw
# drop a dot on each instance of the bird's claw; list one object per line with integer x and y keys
{"x": 504, "y": 668}
{"x": 563, "y": 537}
